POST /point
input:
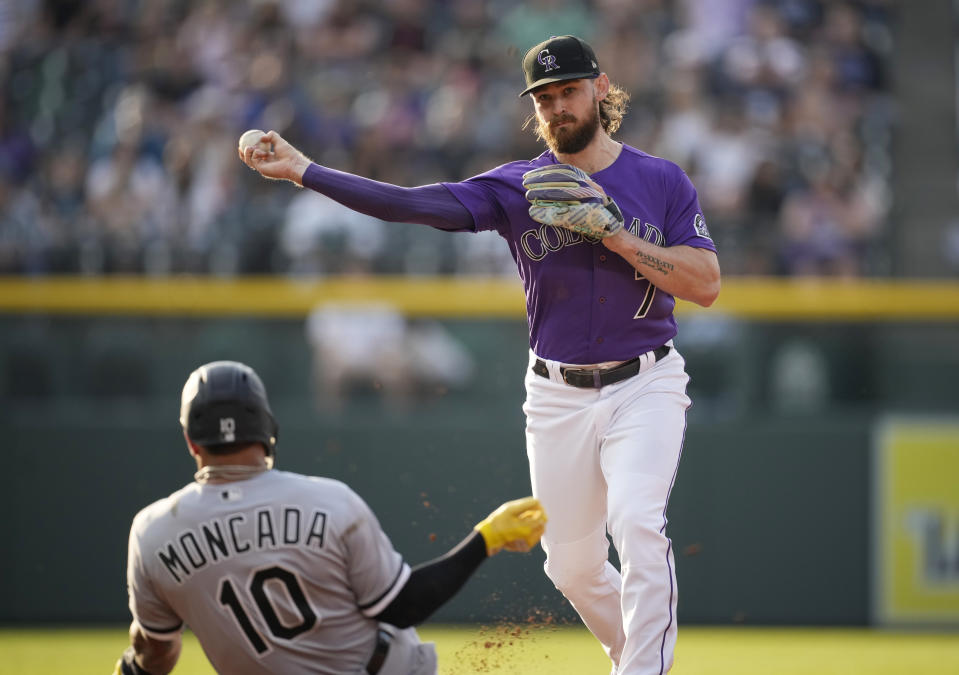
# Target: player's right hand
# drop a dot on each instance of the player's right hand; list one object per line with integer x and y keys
{"x": 515, "y": 526}
{"x": 285, "y": 162}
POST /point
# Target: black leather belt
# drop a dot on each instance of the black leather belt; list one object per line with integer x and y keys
{"x": 382, "y": 648}
{"x": 594, "y": 378}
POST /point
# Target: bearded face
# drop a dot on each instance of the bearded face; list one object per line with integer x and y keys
{"x": 565, "y": 134}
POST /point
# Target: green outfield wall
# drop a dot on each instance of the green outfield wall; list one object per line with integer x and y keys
{"x": 770, "y": 517}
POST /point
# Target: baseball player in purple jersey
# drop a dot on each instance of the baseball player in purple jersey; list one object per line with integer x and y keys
{"x": 276, "y": 572}
{"x": 605, "y": 237}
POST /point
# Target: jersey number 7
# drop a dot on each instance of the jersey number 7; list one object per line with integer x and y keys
{"x": 647, "y": 297}
{"x": 653, "y": 235}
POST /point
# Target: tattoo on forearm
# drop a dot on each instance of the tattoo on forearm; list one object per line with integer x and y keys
{"x": 654, "y": 262}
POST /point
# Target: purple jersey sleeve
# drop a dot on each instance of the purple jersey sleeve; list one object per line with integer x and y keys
{"x": 684, "y": 223}
{"x": 431, "y": 205}
{"x": 482, "y": 196}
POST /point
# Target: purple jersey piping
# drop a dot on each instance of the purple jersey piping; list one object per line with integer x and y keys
{"x": 669, "y": 542}
{"x": 662, "y": 646}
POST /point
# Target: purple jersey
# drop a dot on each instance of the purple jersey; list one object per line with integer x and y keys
{"x": 585, "y": 303}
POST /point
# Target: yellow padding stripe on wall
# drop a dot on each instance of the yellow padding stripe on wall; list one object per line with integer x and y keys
{"x": 457, "y": 297}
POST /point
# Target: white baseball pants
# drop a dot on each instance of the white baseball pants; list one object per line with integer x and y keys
{"x": 605, "y": 460}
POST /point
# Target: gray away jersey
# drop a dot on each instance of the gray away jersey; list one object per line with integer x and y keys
{"x": 276, "y": 574}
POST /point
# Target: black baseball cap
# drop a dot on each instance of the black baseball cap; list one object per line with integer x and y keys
{"x": 565, "y": 57}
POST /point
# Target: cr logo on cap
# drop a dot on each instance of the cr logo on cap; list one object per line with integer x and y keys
{"x": 544, "y": 58}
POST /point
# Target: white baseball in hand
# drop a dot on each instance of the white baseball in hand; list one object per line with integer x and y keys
{"x": 252, "y": 138}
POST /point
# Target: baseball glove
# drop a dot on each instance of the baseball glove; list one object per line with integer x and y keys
{"x": 565, "y": 196}
{"x": 514, "y": 526}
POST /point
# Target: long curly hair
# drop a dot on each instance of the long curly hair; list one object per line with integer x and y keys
{"x": 612, "y": 110}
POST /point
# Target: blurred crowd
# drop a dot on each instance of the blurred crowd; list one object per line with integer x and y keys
{"x": 120, "y": 118}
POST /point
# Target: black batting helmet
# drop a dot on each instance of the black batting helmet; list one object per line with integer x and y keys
{"x": 224, "y": 403}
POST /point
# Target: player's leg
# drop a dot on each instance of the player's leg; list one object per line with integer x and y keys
{"x": 563, "y": 453}
{"x": 640, "y": 457}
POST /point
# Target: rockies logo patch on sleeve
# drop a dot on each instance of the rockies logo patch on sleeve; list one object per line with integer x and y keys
{"x": 700, "y": 224}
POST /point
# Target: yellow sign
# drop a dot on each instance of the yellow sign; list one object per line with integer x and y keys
{"x": 916, "y": 522}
